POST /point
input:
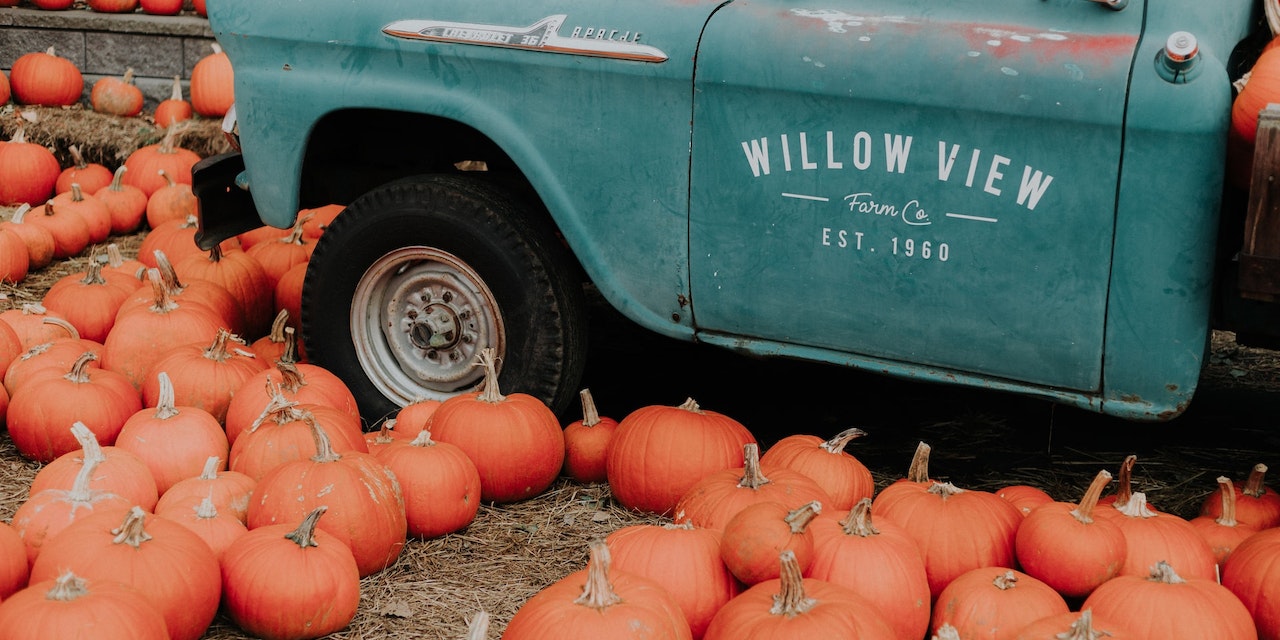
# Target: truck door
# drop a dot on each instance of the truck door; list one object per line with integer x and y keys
{"x": 912, "y": 181}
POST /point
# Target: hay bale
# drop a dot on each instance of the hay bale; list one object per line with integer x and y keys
{"x": 102, "y": 138}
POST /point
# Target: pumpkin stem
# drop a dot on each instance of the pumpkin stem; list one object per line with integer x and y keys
{"x": 945, "y": 490}
{"x": 598, "y": 593}
{"x": 1082, "y": 629}
{"x": 837, "y": 444}
{"x": 128, "y": 75}
{"x": 77, "y": 193}
{"x": 490, "y": 392}
{"x": 1006, "y": 581}
{"x": 791, "y": 600}
{"x": 93, "y": 274}
{"x": 678, "y": 526}
{"x": 290, "y": 352}
{"x": 690, "y": 405}
{"x": 67, "y": 588}
{"x": 131, "y": 531}
{"x": 33, "y": 309}
{"x": 291, "y": 376}
{"x": 1136, "y": 507}
{"x": 77, "y": 159}
{"x": 176, "y": 94}
{"x": 117, "y": 179}
{"x": 1084, "y": 511}
{"x": 218, "y": 351}
{"x": 1254, "y": 487}
{"x": 947, "y": 632}
{"x": 423, "y": 439}
{"x": 62, "y": 323}
{"x": 305, "y": 535}
{"x": 478, "y": 628}
{"x": 384, "y": 433}
{"x": 20, "y": 215}
{"x": 752, "y": 476}
{"x": 858, "y": 522}
{"x": 277, "y": 327}
{"x": 1163, "y": 572}
{"x": 210, "y": 470}
{"x": 295, "y": 234}
{"x": 279, "y": 408}
{"x": 167, "y": 272}
{"x": 324, "y": 448}
{"x": 1228, "y": 491}
{"x": 800, "y": 518}
{"x": 165, "y": 404}
{"x": 206, "y": 509}
{"x": 590, "y": 415}
{"x": 114, "y": 257}
{"x": 919, "y": 469}
{"x": 79, "y": 372}
{"x": 1124, "y": 480}
{"x": 92, "y": 457}
{"x": 163, "y": 297}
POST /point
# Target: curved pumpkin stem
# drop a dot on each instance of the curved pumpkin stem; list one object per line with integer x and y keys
{"x": 92, "y": 457}
{"x": 597, "y": 593}
{"x": 791, "y": 601}
{"x": 919, "y": 469}
{"x": 281, "y": 321}
{"x": 77, "y": 158}
{"x": 79, "y": 372}
{"x": 279, "y": 408}
{"x": 1124, "y": 481}
{"x": 290, "y": 352}
{"x": 131, "y": 531}
{"x": 61, "y": 323}
{"x": 590, "y": 415}
{"x": 858, "y": 522}
{"x": 218, "y": 351}
{"x": 324, "y": 448}
{"x": 800, "y": 518}
{"x": 210, "y": 470}
{"x": 1254, "y": 487}
{"x": 305, "y": 535}
{"x": 837, "y": 444}
{"x": 165, "y": 405}
{"x": 752, "y": 476}
{"x": 162, "y": 302}
{"x": 490, "y": 392}
{"x": 1084, "y": 511}
{"x": 291, "y": 377}
{"x": 1228, "y": 491}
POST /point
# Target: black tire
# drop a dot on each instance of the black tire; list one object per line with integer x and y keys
{"x": 415, "y": 277}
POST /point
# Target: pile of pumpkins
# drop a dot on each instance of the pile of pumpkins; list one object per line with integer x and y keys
{"x": 150, "y": 7}
{"x": 797, "y": 543}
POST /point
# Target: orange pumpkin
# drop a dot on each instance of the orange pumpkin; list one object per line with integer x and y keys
{"x": 71, "y": 232}
{"x": 1262, "y": 88}
{"x": 685, "y": 559}
{"x": 173, "y": 109}
{"x": 173, "y": 201}
{"x": 28, "y": 171}
{"x": 219, "y": 529}
{"x": 173, "y": 440}
{"x": 296, "y": 382}
{"x": 164, "y": 560}
{"x": 69, "y": 604}
{"x": 283, "y": 433}
{"x": 213, "y": 84}
{"x": 515, "y": 440}
{"x": 658, "y": 453}
{"x": 117, "y": 471}
{"x": 126, "y": 204}
{"x": 204, "y": 375}
{"x": 242, "y": 276}
{"x": 320, "y": 571}
{"x": 96, "y": 216}
{"x": 91, "y": 176}
{"x": 15, "y": 262}
{"x": 755, "y": 536}
{"x": 1252, "y": 573}
{"x": 1025, "y": 497}
{"x": 797, "y": 608}
{"x": 415, "y": 417}
{"x": 144, "y": 335}
{"x": 1256, "y": 504}
{"x": 586, "y": 443}
{"x": 366, "y": 506}
{"x": 43, "y": 78}
{"x": 599, "y": 602}
{"x": 229, "y": 490}
{"x": 995, "y": 602}
{"x": 843, "y": 476}
{"x": 117, "y": 96}
{"x": 277, "y": 256}
{"x": 89, "y": 300}
{"x": 1162, "y": 604}
{"x": 720, "y": 495}
{"x": 1072, "y": 626}
{"x": 34, "y": 324}
{"x": 38, "y": 415}
{"x": 1223, "y": 533}
{"x": 1065, "y": 546}
{"x": 848, "y": 551}
{"x": 146, "y": 163}
{"x": 441, "y": 485}
{"x": 37, "y": 239}
{"x": 1152, "y": 536}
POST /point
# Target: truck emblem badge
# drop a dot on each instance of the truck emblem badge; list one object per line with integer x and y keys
{"x": 543, "y": 35}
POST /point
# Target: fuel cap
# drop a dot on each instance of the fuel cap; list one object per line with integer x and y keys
{"x": 1181, "y": 47}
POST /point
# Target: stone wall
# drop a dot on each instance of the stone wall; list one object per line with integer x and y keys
{"x": 101, "y": 44}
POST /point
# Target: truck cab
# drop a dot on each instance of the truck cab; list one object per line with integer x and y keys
{"x": 1026, "y": 196}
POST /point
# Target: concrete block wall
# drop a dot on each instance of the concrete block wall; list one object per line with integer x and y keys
{"x": 102, "y": 44}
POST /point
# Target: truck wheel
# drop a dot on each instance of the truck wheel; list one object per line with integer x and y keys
{"x": 414, "y": 278}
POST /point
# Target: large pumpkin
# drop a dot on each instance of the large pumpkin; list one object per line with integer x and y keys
{"x": 1252, "y": 573}
{"x": 213, "y": 84}
{"x": 441, "y": 485}
{"x": 28, "y": 171}
{"x": 995, "y": 602}
{"x": 1256, "y": 503}
{"x": 515, "y": 440}
{"x": 843, "y": 476}
{"x": 1065, "y": 546}
{"x": 1164, "y": 605}
{"x": 174, "y": 440}
{"x": 67, "y": 605}
{"x": 43, "y": 78}
{"x": 658, "y": 453}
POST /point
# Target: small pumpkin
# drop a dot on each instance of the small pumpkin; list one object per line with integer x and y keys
{"x": 242, "y": 276}
{"x": 283, "y": 433}
{"x": 1223, "y": 533}
{"x": 116, "y": 96}
{"x": 116, "y": 471}
{"x": 1065, "y": 546}
{"x": 126, "y": 203}
{"x": 28, "y": 171}
{"x": 995, "y": 602}
{"x": 71, "y": 232}
{"x": 146, "y": 162}
{"x": 96, "y": 216}
{"x": 1024, "y": 496}
{"x": 586, "y": 442}
{"x": 1152, "y": 536}
{"x": 14, "y": 570}
{"x": 161, "y": 7}
{"x": 113, "y": 6}
{"x": 38, "y": 415}
{"x": 441, "y": 485}
{"x": 1256, "y": 503}
{"x": 755, "y": 536}
{"x": 90, "y": 299}
{"x": 91, "y": 176}
{"x": 37, "y": 239}
{"x": 229, "y": 490}
{"x": 1162, "y": 604}
{"x": 173, "y": 201}
{"x": 219, "y": 529}
{"x": 298, "y": 382}
{"x": 173, "y": 109}
{"x": 843, "y": 476}
{"x": 204, "y": 375}
{"x": 15, "y": 262}
{"x": 279, "y": 255}
{"x": 323, "y": 592}
{"x": 173, "y": 440}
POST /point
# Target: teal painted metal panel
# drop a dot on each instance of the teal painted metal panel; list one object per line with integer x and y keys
{"x": 912, "y": 181}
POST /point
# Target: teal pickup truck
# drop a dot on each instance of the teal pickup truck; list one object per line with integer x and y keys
{"x": 1023, "y": 195}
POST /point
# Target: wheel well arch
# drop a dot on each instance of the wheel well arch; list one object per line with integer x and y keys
{"x": 351, "y": 151}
